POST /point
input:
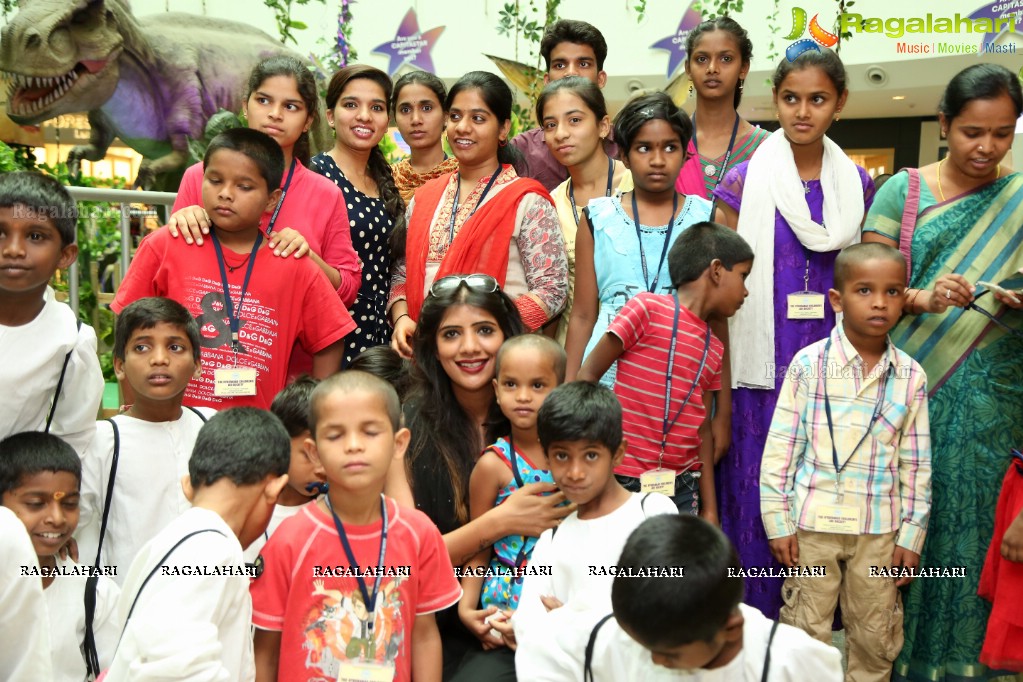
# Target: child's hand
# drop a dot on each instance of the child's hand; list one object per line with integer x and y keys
{"x": 288, "y": 241}
{"x": 785, "y": 550}
{"x": 710, "y": 516}
{"x": 502, "y": 623}
{"x": 530, "y": 513}
{"x": 476, "y": 622}
{"x": 70, "y": 548}
{"x": 1012, "y": 541}
{"x": 906, "y": 559}
{"x": 551, "y": 602}
{"x": 721, "y": 434}
{"x": 191, "y": 222}
{"x": 401, "y": 337}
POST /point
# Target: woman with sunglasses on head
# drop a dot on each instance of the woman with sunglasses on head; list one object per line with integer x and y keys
{"x": 418, "y": 110}
{"x": 462, "y": 324}
{"x": 483, "y": 218}
{"x": 357, "y": 101}
{"x": 957, "y": 222}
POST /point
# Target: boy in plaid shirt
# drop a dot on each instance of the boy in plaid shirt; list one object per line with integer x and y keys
{"x": 845, "y": 478}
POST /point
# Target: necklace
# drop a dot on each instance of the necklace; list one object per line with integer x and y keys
{"x": 232, "y": 268}
{"x": 998, "y": 174}
{"x": 806, "y": 183}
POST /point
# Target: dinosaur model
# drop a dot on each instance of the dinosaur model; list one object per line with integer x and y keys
{"x": 153, "y": 81}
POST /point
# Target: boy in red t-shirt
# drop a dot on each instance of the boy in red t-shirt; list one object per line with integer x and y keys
{"x": 668, "y": 358}
{"x": 350, "y": 584}
{"x": 252, "y": 307}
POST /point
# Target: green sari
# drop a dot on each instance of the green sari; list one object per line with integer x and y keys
{"x": 975, "y": 377}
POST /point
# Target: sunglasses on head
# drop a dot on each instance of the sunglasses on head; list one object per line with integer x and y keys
{"x": 484, "y": 284}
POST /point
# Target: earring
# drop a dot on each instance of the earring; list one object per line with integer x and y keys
{"x": 837, "y": 117}
{"x": 502, "y": 143}
{"x": 690, "y": 89}
{"x": 742, "y": 83}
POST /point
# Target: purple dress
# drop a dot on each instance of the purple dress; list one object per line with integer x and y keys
{"x": 738, "y": 474}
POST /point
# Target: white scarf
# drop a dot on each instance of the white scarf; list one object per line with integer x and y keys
{"x": 772, "y": 182}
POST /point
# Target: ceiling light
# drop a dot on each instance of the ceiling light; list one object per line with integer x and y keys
{"x": 898, "y": 97}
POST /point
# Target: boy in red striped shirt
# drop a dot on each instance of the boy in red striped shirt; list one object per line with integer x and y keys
{"x": 669, "y": 365}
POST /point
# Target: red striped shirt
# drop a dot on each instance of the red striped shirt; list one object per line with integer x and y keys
{"x": 645, "y": 327}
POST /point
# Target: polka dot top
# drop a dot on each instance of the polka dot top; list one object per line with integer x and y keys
{"x": 371, "y": 227}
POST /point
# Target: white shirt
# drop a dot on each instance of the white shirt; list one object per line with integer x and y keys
{"x": 186, "y": 627}
{"x": 560, "y": 655}
{"x": 65, "y": 602}
{"x": 24, "y": 620}
{"x": 578, "y": 545}
{"x": 280, "y": 513}
{"x": 147, "y": 488}
{"x": 33, "y": 356}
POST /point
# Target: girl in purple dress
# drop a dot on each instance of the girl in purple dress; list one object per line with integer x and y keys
{"x": 798, "y": 202}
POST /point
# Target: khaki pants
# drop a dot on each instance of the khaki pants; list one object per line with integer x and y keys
{"x": 871, "y": 606}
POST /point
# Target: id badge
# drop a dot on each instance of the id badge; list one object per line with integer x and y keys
{"x": 657, "y": 481}
{"x": 365, "y": 672}
{"x": 837, "y": 518}
{"x": 806, "y": 305}
{"x": 234, "y": 381}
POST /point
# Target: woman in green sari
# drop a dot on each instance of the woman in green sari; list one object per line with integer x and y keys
{"x": 960, "y": 221}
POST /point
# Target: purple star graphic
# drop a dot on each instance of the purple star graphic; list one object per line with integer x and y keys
{"x": 410, "y": 46}
{"x": 676, "y": 42}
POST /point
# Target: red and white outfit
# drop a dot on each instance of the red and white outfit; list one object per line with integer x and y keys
{"x": 645, "y": 328}
{"x": 288, "y": 301}
{"x": 315, "y": 207}
{"x": 322, "y": 619}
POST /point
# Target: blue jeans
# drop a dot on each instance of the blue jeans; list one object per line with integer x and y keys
{"x": 687, "y": 490}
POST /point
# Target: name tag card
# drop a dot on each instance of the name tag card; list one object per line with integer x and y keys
{"x": 806, "y": 305}
{"x": 365, "y": 672}
{"x": 658, "y": 481}
{"x": 234, "y": 381}
{"x": 837, "y": 518}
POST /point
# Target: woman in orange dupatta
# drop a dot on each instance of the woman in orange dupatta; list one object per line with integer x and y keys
{"x": 483, "y": 218}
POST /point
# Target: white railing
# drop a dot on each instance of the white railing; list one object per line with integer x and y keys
{"x": 124, "y": 197}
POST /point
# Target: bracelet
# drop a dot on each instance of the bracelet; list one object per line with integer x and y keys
{"x": 401, "y": 316}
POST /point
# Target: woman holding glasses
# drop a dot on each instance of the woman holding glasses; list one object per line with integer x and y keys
{"x": 958, "y": 223}
{"x": 481, "y": 219}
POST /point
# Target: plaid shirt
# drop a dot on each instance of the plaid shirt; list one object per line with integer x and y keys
{"x": 888, "y": 476}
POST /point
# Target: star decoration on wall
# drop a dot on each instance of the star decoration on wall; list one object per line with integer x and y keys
{"x": 410, "y": 46}
{"x": 676, "y": 42}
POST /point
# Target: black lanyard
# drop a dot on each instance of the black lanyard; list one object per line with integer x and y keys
{"x": 234, "y": 320}
{"x": 607, "y": 192}
{"x": 458, "y": 194}
{"x": 369, "y": 599}
{"x": 668, "y": 424}
{"x": 827, "y": 411}
{"x": 652, "y": 287}
{"x": 284, "y": 193}
{"x": 728, "y": 154}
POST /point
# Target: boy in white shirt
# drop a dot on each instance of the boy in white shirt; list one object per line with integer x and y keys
{"x": 132, "y": 469}
{"x": 305, "y": 479}
{"x": 680, "y": 628}
{"x": 580, "y": 428}
{"x": 55, "y": 383}
{"x": 26, "y": 636}
{"x": 39, "y": 482}
{"x": 185, "y": 605}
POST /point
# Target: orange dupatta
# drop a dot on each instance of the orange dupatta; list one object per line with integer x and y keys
{"x": 481, "y": 245}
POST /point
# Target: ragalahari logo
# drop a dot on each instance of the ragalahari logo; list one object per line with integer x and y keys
{"x": 818, "y": 36}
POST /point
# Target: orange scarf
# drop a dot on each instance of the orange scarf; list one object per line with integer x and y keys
{"x": 408, "y": 181}
{"x": 481, "y": 245}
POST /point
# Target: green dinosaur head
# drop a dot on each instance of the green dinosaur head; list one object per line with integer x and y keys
{"x": 61, "y": 56}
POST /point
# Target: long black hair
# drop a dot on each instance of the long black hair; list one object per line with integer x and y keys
{"x": 378, "y": 167}
{"x": 305, "y": 83}
{"x": 439, "y": 424}
{"x": 980, "y": 81}
{"x": 498, "y": 98}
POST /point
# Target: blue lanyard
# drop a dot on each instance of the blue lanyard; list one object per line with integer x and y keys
{"x": 284, "y": 193}
{"x": 523, "y": 555}
{"x": 234, "y": 320}
{"x": 668, "y": 424}
{"x": 607, "y": 192}
{"x": 728, "y": 154}
{"x": 458, "y": 194}
{"x": 652, "y": 287}
{"x": 827, "y": 411}
{"x": 370, "y": 599}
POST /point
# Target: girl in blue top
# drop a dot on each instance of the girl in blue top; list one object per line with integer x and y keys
{"x": 528, "y": 367}
{"x": 624, "y": 245}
